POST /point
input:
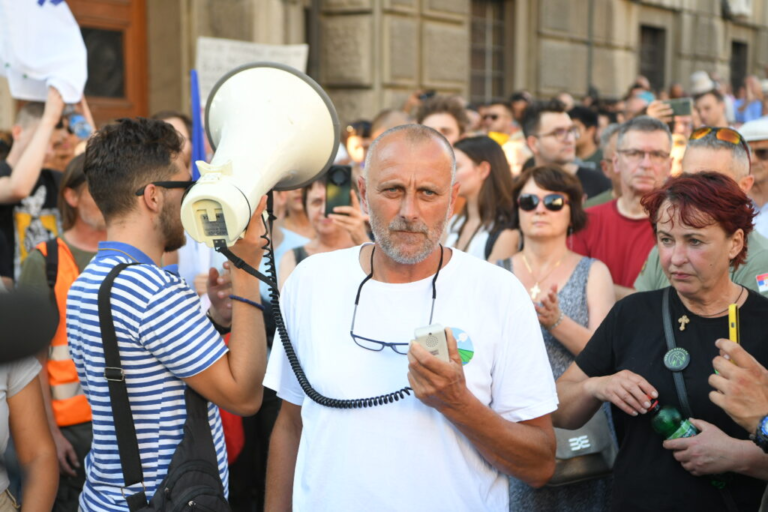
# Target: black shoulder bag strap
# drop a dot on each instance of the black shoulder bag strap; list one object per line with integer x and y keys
{"x": 669, "y": 334}
{"x": 493, "y": 236}
{"x": 682, "y": 394}
{"x": 125, "y": 431}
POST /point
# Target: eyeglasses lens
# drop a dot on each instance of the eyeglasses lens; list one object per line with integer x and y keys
{"x": 761, "y": 154}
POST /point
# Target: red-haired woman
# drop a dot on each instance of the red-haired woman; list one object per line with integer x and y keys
{"x": 701, "y": 223}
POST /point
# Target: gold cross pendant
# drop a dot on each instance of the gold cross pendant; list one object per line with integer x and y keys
{"x": 683, "y": 321}
{"x": 535, "y": 290}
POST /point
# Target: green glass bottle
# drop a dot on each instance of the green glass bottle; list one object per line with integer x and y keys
{"x": 669, "y": 423}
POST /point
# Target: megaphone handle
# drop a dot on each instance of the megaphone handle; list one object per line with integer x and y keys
{"x": 221, "y": 247}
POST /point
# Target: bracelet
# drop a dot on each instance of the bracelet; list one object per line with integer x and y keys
{"x": 219, "y": 328}
{"x": 247, "y": 301}
{"x": 557, "y": 322}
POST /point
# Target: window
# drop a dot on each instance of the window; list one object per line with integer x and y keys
{"x": 738, "y": 65}
{"x": 488, "y": 56}
{"x": 653, "y": 42}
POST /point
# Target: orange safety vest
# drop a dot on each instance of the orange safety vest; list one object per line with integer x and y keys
{"x": 70, "y": 405}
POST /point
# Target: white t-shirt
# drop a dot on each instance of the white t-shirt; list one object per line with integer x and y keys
{"x": 404, "y": 455}
{"x": 476, "y": 244}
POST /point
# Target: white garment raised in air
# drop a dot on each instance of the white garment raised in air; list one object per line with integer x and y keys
{"x": 405, "y": 455}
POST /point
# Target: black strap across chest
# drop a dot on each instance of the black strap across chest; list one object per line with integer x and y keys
{"x": 125, "y": 431}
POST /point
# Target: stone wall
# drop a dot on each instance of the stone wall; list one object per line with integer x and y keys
{"x": 374, "y": 53}
{"x": 698, "y": 38}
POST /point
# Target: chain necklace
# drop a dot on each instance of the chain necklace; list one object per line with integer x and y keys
{"x": 684, "y": 320}
{"x": 535, "y": 290}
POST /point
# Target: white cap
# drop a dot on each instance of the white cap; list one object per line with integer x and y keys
{"x": 755, "y": 130}
{"x": 701, "y": 83}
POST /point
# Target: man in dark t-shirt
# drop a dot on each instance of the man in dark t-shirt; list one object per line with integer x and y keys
{"x": 551, "y": 136}
{"x": 28, "y": 190}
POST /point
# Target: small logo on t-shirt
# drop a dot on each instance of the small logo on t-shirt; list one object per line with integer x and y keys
{"x": 762, "y": 283}
{"x": 464, "y": 344}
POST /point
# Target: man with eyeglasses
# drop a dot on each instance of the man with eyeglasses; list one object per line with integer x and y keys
{"x": 136, "y": 175}
{"x": 756, "y": 134}
{"x": 725, "y": 151}
{"x": 551, "y": 136}
{"x": 618, "y": 232}
{"x": 350, "y": 315}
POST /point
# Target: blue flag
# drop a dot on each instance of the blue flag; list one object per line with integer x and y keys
{"x": 198, "y": 142}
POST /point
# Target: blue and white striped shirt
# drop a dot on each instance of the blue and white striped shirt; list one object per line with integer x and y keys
{"x": 163, "y": 337}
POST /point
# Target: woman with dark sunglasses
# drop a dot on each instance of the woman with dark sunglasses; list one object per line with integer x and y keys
{"x": 571, "y": 293}
{"x": 483, "y": 226}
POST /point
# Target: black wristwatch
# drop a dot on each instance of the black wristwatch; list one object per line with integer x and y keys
{"x": 760, "y": 437}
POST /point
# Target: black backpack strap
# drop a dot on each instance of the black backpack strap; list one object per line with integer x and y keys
{"x": 125, "y": 431}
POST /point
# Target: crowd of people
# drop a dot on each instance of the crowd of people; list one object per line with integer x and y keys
{"x": 567, "y": 247}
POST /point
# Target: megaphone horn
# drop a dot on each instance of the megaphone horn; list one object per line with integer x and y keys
{"x": 272, "y": 127}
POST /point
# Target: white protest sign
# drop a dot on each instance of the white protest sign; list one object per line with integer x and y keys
{"x": 216, "y": 57}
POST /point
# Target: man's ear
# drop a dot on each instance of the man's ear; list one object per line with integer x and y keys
{"x": 532, "y": 144}
{"x": 72, "y": 197}
{"x": 151, "y": 198}
{"x": 16, "y": 132}
{"x": 454, "y": 195}
{"x": 362, "y": 187}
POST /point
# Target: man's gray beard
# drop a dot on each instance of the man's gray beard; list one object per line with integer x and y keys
{"x": 431, "y": 240}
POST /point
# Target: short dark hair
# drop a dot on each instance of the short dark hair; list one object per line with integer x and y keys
{"x": 125, "y": 155}
{"x": 534, "y": 112}
{"x": 704, "y": 199}
{"x": 557, "y": 180}
{"x": 165, "y": 115}
{"x": 444, "y": 105}
{"x": 73, "y": 178}
{"x": 714, "y": 92}
{"x": 585, "y": 115}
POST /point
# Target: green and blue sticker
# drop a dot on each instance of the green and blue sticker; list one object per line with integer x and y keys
{"x": 464, "y": 344}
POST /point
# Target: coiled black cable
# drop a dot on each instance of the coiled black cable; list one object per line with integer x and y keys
{"x": 293, "y": 360}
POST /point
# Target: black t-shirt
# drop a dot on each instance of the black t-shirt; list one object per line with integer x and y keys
{"x": 593, "y": 181}
{"x": 30, "y": 221}
{"x": 6, "y": 258}
{"x": 646, "y": 476}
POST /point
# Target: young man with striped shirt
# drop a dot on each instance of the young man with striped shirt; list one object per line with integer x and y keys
{"x": 137, "y": 179}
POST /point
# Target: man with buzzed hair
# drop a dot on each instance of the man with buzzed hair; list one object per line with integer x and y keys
{"x": 710, "y": 153}
{"x": 28, "y": 192}
{"x": 474, "y": 419}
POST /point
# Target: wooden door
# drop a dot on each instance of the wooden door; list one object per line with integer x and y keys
{"x": 115, "y": 36}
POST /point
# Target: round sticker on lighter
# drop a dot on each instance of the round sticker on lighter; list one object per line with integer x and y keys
{"x": 464, "y": 344}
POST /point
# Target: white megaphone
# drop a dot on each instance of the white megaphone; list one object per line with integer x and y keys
{"x": 272, "y": 127}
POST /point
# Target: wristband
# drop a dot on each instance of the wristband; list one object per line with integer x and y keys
{"x": 219, "y": 328}
{"x": 557, "y": 322}
{"x": 247, "y": 301}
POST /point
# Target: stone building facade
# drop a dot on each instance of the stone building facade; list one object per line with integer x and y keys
{"x": 371, "y": 54}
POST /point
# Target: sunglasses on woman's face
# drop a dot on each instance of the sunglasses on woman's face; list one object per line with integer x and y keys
{"x": 552, "y": 202}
